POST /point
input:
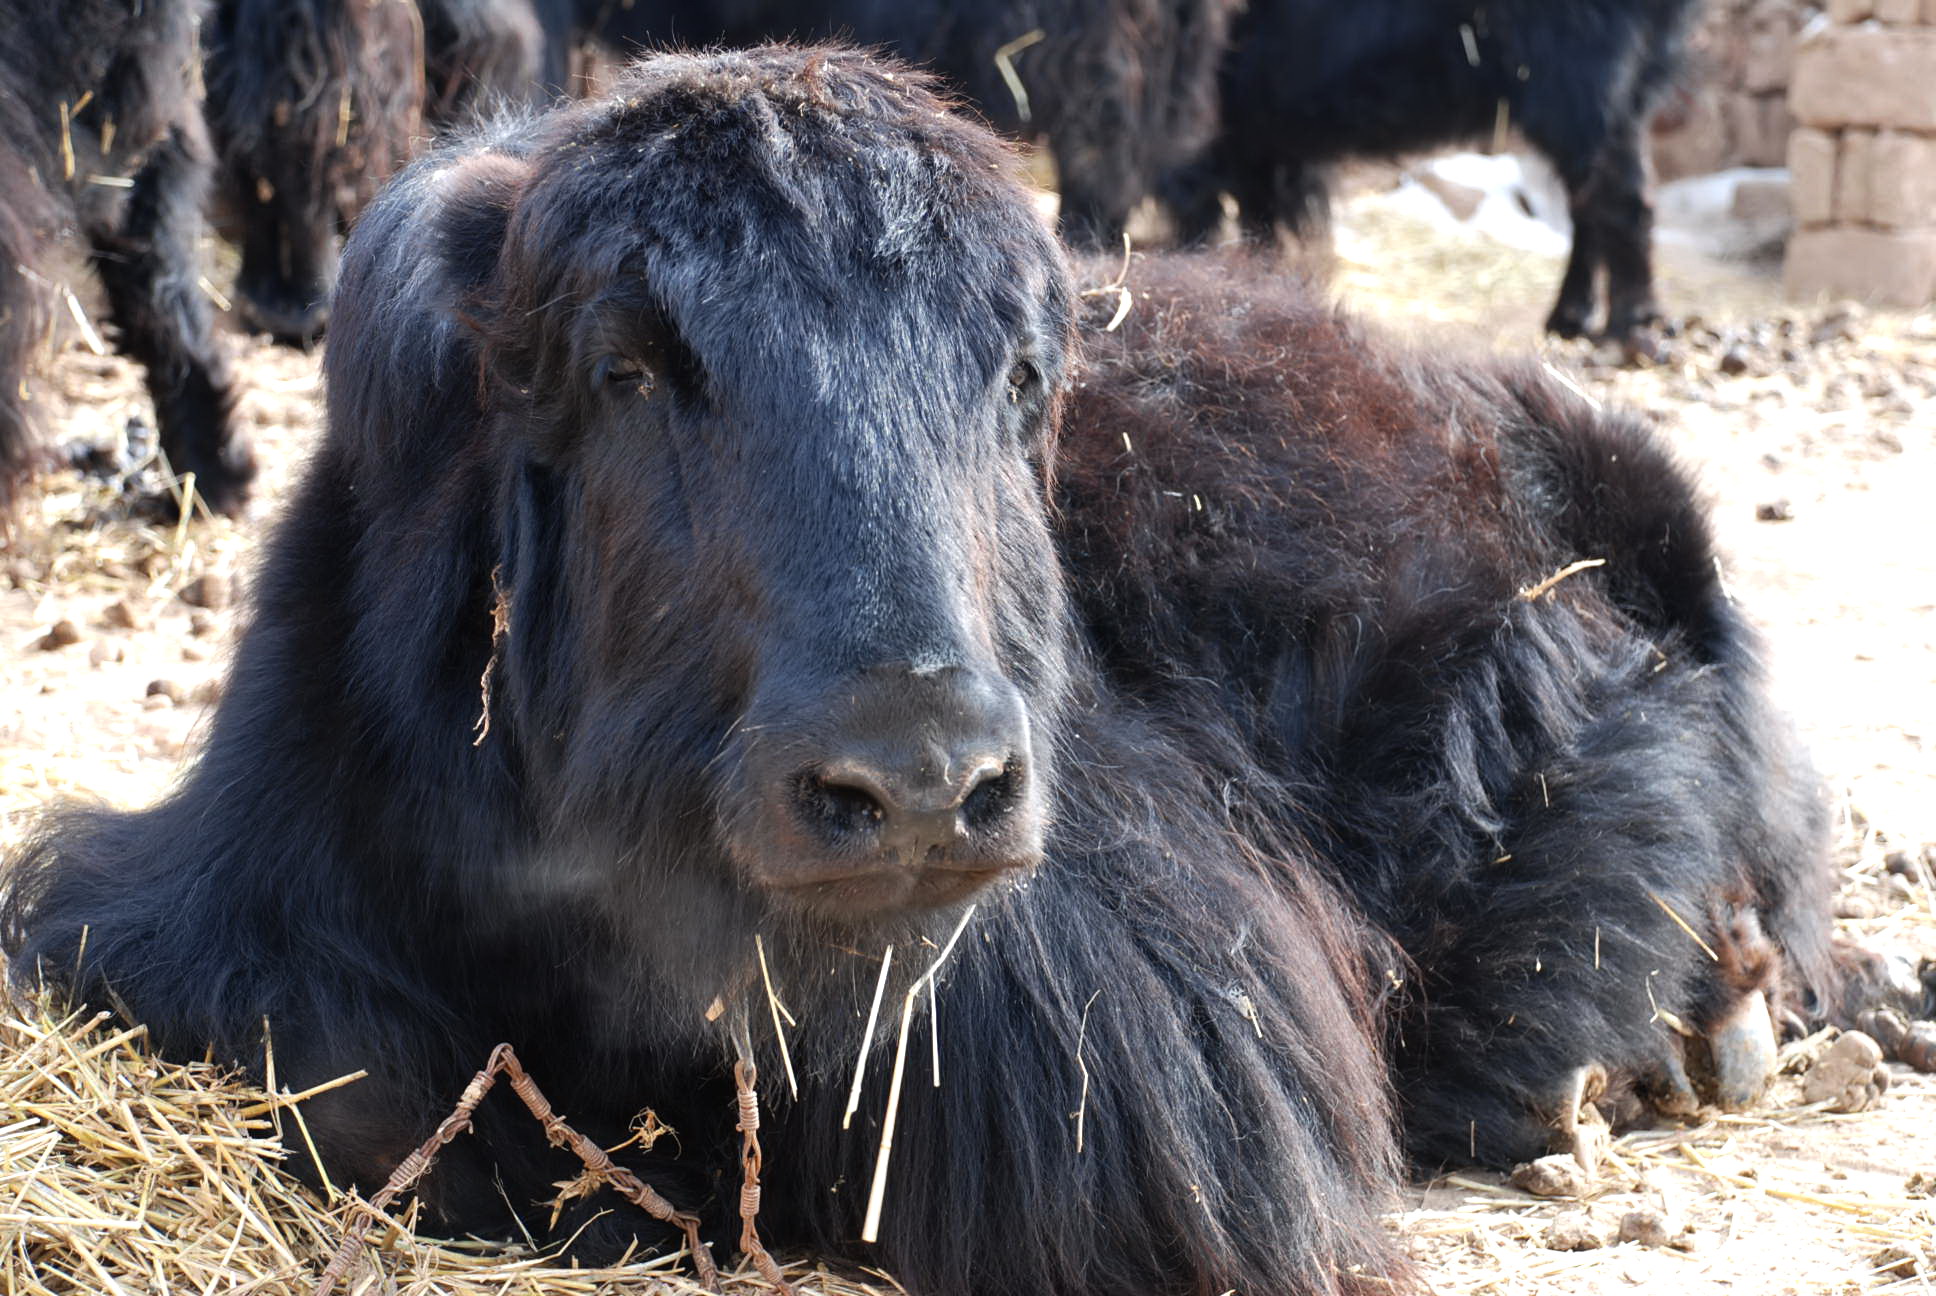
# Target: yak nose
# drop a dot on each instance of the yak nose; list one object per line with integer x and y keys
{"x": 917, "y": 769}
{"x": 933, "y": 803}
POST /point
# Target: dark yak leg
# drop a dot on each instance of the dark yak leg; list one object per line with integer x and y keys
{"x": 1574, "y": 308}
{"x": 1096, "y": 188}
{"x": 1255, "y": 186}
{"x": 21, "y": 313}
{"x": 150, "y": 265}
{"x": 1303, "y": 201}
{"x": 1193, "y": 193}
{"x": 287, "y": 268}
{"x": 1625, "y": 218}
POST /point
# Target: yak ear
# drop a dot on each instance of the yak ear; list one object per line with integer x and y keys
{"x": 478, "y": 194}
{"x": 404, "y": 369}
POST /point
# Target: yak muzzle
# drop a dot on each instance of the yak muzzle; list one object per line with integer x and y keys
{"x": 908, "y": 790}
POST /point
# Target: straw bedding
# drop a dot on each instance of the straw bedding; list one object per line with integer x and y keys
{"x": 123, "y": 1173}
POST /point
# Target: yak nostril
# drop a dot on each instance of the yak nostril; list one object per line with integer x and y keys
{"x": 846, "y": 800}
{"x": 992, "y": 790}
{"x": 854, "y": 779}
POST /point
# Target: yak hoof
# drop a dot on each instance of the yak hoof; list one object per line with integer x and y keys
{"x": 1741, "y": 1054}
{"x": 1567, "y": 321}
{"x": 1668, "y": 1090}
{"x": 1636, "y": 331}
{"x": 1582, "y": 1130}
{"x": 224, "y": 481}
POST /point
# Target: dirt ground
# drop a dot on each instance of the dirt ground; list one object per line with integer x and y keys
{"x": 1814, "y": 428}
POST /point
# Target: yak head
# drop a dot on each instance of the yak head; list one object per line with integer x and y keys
{"x": 770, "y": 346}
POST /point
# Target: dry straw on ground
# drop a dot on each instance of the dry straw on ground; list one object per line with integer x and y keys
{"x": 121, "y": 1173}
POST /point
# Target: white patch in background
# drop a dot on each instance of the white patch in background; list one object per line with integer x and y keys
{"x": 1731, "y": 215}
{"x": 1507, "y": 198}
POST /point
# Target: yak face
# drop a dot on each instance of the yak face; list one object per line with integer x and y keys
{"x": 774, "y": 348}
{"x": 311, "y": 104}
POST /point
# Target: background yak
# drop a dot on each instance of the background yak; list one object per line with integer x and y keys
{"x": 102, "y": 144}
{"x": 1308, "y": 82}
{"x": 681, "y": 569}
{"x": 312, "y": 105}
{"x": 483, "y": 53}
{"x": 1122, "y": 91}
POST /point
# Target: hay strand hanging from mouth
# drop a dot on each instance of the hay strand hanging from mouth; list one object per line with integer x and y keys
{"x": 867, "y": 1038}
{"x": 778, "y": 1010}
{"x": 877, "y": 1191}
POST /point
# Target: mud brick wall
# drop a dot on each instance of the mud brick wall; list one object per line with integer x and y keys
{"x": 1732, "y": 108}
{"x": 1863, "y": 157}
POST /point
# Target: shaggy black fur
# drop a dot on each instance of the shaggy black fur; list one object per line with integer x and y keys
{"x": 124, "y": 173}
{"x": 1308, "y": 82}
{"x": 1273, "y": 520}
{"x": 312, "y": 105}
{"x": 738, "y": 387}
{"x": 1121, "y": 90}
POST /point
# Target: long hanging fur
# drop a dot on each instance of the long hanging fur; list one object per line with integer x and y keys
{"x": 312, "y": 105}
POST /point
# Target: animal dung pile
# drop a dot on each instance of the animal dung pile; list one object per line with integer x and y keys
{"x": 121, "y": 1173}
{"x": 1864, "y": 162}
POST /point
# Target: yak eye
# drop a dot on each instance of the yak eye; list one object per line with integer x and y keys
{"x": 1021, "y": 379}
{"x": 615, "y": 372}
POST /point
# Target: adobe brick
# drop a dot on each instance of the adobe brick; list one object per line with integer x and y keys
{"x": 1902, "y": 180}
{"x": 1811, "y": 173}
{"x": 1883, "y": 267}
{"x": 1866, "y": 76}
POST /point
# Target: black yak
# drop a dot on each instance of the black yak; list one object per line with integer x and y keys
{"x": 721, "y": 567}
{"x": 102, "y": 143}
{"x": 312, "y": 104}
{"x": 1308, "y": 82}
{"x": 1122, "y": 91}
{"x": 1347, "y": 550}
